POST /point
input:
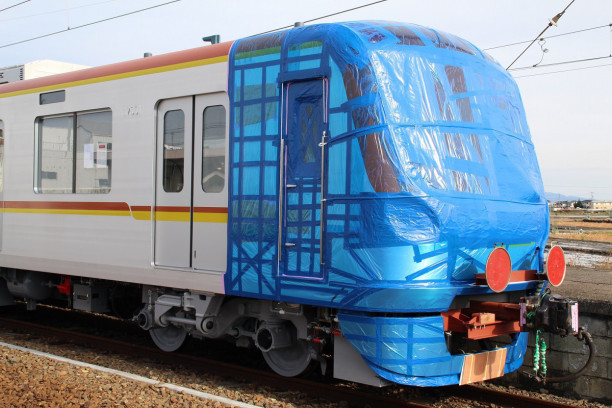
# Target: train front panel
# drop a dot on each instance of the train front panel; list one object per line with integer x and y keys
{"x": 404, "y": 159}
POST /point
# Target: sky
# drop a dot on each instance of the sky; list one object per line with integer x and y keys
{"x": 569, "y": 113}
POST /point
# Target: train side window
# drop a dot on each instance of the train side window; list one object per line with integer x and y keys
{"x": 74, "y": 153}
{"x": 94, "y": 153}
{"x": 174, "y": 151}
{"x": 56, "y": 154}
{"x": 1, "y": 156}
{"x": 213, "y": 149}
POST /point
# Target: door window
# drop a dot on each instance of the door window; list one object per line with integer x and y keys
{"x": 213, "y": 149}
{"x": 174, "y": 151}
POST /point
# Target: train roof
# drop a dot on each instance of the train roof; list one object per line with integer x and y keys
{"x": 354, "y": 36}
{"x": 160, "y": 63}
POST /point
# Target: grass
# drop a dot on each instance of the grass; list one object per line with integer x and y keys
{"x": 585, "y": 236}
{"x": 578, "y": 224}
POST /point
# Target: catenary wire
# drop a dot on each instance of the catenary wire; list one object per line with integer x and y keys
{"x": 565, "y": 70}
{"x": 14, "y": 5}
{"x": 552, "y": 21}
{"x": 550, "y": 36}
{"x": 89, "y": 24}
{"x": 57, "y": 11}
{"x": 321, "y": 17}
{"x": 561, "y": 63}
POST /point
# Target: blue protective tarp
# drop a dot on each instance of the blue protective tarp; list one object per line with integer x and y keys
{"x": 426, "y": 167}
{"x": 412, "y": 351}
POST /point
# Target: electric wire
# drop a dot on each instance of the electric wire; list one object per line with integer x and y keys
{"x": 344, "y": 11}
{"x": 14, "y": 5}
{"x": 88, "y": 24}
{"x": 550, "y": 36}
{"x": 57, "y": 11}
{"x": 561, "y": 63}
{"x": 321, "y": 17}
{"x": 552, "y": 21}
{"x": 565, "y": 70}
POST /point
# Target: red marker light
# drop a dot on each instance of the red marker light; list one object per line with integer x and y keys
{"x": 555, "y": 266}
{"x": 498, "y": 269}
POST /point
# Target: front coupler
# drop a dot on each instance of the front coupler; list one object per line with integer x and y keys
{"x": 556, "y": 315}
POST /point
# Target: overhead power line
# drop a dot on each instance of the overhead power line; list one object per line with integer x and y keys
{"x": 553, "y": 21}
{"x": 89, "y": 24}
{"x": 550, "y": 36}
{"x": 63, "y": 10}
{"x": 14, "y": 5}
{"x": 322, "y": 17}
{"x": 561, "y": 63}
{"x": 565, "y": 70}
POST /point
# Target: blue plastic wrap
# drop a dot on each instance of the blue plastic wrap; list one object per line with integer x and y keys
{"x": 428, "y": 166}
{"x": 412, "y": 351}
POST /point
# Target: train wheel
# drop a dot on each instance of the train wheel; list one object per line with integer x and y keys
{"x": 291, "y": 361}
{"x": 169, "y": 338}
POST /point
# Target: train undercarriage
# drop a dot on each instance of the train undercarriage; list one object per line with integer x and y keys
{"x": 297, "y": 339}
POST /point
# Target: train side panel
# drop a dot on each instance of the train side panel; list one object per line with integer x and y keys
{"x": 105, "y": 235}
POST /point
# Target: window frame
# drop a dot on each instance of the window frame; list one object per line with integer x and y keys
{"x": 38, "y": 134}
{"x": 166, "y": 181}
{"x": 223, "y": 144}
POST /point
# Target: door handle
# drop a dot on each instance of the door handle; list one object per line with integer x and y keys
{"x": 289, "y": 244}
{"x": 322, "y": 226}
{"x": 291, "y": 185}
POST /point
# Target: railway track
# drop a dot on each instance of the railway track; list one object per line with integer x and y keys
{"x": 330, "y": 391}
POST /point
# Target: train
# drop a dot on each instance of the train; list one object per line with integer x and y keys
{"x": 362, "y": 198}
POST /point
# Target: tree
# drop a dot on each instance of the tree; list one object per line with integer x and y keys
{"x": 578, "y": 204}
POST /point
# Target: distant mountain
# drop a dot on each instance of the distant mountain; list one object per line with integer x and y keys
{"x": 554, "y": 197}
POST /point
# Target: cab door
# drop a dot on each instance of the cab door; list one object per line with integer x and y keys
{"x": 306, "y": 125}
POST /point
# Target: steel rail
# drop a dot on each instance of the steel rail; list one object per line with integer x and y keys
{"x": 315, "y": 389}
{"x": 312, "y": 388}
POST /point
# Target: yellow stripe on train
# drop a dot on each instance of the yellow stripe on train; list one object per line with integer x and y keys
{"x": 113, "y": 77}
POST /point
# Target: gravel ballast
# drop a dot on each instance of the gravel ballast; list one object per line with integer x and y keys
{"x": 34, "y": 381}
{"x": 30, "y": 380}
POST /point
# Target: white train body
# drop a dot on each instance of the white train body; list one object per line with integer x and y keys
{"x": 111, "y": 234}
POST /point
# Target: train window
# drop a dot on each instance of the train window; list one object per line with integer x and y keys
{"x": 56, "y": 154}
{"x": 456, "y": 79}
{"x": 74, "y": 153}
{"x": 174, "y": 151}
{"x": 93, "y": 153}
{"x": 52, "y": 97}
{"x": 1, "y": 156}
{"x": 213, "y": 149}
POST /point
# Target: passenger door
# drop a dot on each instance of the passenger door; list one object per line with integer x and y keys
{"x": 172, "y": 211}
{"x": 191, "y": 192}
{"x": 1, "y": 176}
{"x": 209, "y": 183}
{"x": 302, "y": 237}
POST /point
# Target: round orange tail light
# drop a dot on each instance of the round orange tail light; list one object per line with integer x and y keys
{"x": 555, "y": 266}
{"x": 498, "y": 269}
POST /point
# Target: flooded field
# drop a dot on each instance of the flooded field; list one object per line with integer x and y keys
{"x": 585, "y": 260}
{"x": 587, "y": 254}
